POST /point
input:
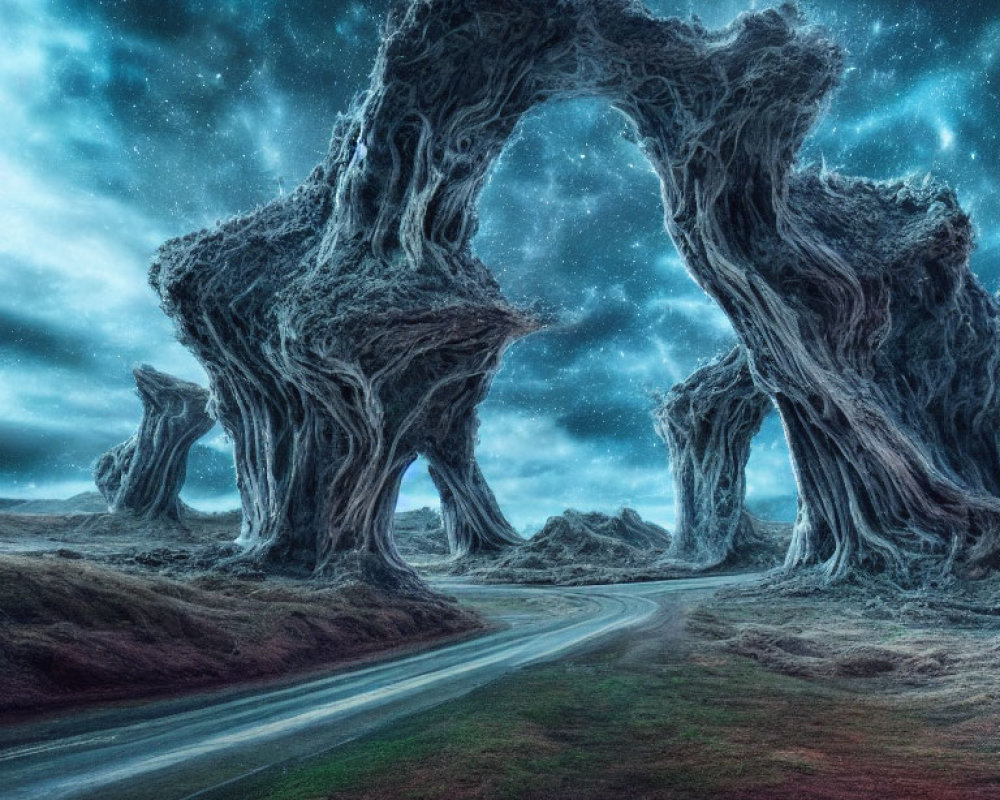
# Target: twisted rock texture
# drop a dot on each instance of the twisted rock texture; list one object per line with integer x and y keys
{"x": 708, "y": 422}
{"x": 853, "y": 299}
{"x": 145, "y": 475}
{"x": 472, "y": 517}
{"x": 346, "y": 326}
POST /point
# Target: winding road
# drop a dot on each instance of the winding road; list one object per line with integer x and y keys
{"x": 203, "y": 749}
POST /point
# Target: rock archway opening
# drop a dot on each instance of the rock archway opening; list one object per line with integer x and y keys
{"x": 571, "y": 223}
{"x": 771, "y": 492}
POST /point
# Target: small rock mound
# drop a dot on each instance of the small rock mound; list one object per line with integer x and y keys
{"x": 575, "y": 538}
{"x": 575, "y": 548}
{"x": 420, "y": 535}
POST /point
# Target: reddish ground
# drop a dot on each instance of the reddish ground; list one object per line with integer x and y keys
{"x": 73, "y": 633}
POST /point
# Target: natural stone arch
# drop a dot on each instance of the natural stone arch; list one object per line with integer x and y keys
{"x": 337, "y": 323}
{"x": 145, "y": 475}
{"x": 853, "y": 299}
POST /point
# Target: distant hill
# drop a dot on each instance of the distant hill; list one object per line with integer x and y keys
{"x": 419, "y": 534}
{"x": 84, "y": 502}
{"x": 575, "y": 539}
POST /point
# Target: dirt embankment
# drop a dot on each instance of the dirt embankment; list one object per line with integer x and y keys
{"x": 73, "y": 632}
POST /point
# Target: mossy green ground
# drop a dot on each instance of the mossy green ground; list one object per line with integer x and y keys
{"x": 639, "y": 719}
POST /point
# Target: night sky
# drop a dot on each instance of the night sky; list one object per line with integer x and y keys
{"x": 126, "y": 123}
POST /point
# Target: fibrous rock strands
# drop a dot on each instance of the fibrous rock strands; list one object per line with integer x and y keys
{"x": 331, "y": 320}
{"x": 708, "y": 422}
{"x": 145, "y": 474}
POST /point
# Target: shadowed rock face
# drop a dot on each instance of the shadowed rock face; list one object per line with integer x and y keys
{"x": 347, "y": 327}
{"x": 145, "y": 475}
{"x": 708, "y": 422}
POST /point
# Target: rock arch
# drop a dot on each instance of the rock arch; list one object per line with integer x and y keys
{"x": 339, "y": 323}
{"x": 855, "y": 304}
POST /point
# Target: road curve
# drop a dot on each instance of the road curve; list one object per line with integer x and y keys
{"x": 170, "y": 755}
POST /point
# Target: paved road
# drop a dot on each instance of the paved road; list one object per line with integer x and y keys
{"x": 162, "y": 752}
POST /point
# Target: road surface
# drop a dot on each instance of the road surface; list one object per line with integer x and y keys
{"x": 159, "y": 752}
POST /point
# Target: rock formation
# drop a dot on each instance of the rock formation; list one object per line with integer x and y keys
{"x": 575, "y": 538}
{"x": 708, "y": 422}
{"x": 340, "y": 323}
{"x": 473, "y": 520}
{"x": 145, "y": 474}
{"x": 346, "y": 325}
{"x": 577, "y": 547}
{"x": 853, "y": 299}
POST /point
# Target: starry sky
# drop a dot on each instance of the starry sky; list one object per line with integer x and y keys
{"x": 126, "y": 122}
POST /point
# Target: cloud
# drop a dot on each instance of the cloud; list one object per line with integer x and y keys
{"x": 27, "y": 339}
